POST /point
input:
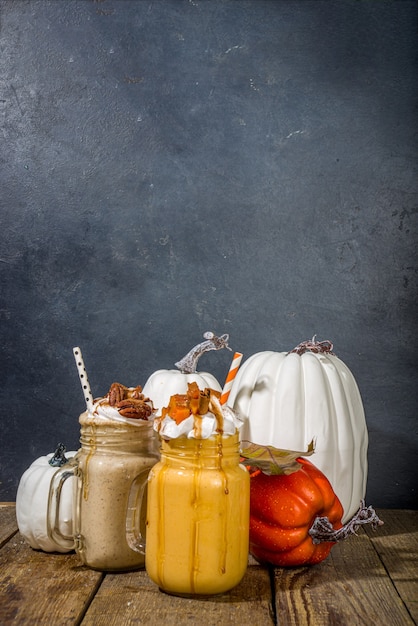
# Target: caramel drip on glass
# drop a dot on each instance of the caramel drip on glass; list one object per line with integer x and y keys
{"x": 225, "y": 502}
{"x": 195, "y": 501}
{"x": 92, "y": 449}
{"x": 217, "y": 410}
{"x": 161, "y": 525}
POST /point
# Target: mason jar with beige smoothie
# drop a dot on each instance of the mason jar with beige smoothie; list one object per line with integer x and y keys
{"x": 118, "y": 448}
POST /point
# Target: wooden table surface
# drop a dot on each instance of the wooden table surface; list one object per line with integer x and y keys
{"x": 371, "y": 578}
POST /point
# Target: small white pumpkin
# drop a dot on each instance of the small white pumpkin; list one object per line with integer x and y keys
{"x": 32, "y": 502}
{"x": 290, "y": 399}
{"x": 163, "y": 384}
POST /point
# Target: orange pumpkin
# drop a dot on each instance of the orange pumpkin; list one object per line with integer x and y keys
{"x": 295, "y": 519}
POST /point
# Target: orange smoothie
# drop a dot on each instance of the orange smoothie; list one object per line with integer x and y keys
{"x": 198, "y": 516}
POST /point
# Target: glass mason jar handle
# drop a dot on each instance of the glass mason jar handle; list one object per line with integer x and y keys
{"x": 136, "y": 503}
{"x": 54, "y": 498}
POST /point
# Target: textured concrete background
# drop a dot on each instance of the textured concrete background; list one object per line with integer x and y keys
{"x": 171, "y": 167}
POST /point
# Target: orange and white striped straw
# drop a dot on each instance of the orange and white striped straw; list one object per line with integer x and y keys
{"x": 236, "y": 362}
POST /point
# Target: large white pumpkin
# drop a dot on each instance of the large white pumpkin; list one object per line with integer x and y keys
{"x": 290, "y": 399}
{"x": 32, "y": 502}
{"x": 163, "y": 384}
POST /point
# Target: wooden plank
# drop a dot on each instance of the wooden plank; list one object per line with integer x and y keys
{"x": 350, "y": 587}
{"x": 8, "y": 523}
{"x": 371, "y": 578}
{"x": 133, "y": 598}
{"x": 41, "y": 588}
{"x": 397, "y": 545}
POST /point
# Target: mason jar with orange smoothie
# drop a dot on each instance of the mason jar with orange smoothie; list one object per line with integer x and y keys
{"x": 198, "y": 498}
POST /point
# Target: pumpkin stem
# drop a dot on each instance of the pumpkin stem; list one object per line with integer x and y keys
{"x": 58, "y": 459}
{"x": 322, "y": 530}
{"x": 188, "y": 364}
{"x": 312, "y": 345}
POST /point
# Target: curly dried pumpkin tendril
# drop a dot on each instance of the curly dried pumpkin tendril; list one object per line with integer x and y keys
{"x": 188, "y": 364}
{"x": 322, "y": 530}
{"x": 318, "y": 347}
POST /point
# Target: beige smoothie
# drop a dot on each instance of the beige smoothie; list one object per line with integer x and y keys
{"x": 118, "y": 448}
{"x": 105, "y": 475}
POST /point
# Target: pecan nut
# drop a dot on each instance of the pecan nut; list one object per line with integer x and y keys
{"x": 133, "y": 408}
{"x": 136, "y": 393}
{"x": 117, "y": 392}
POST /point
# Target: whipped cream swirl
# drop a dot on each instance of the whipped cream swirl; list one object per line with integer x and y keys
{"x": 220, "y": 419}
{"x": 130, "y": 400}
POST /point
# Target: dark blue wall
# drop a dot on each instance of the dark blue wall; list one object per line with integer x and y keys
{"x": 176, "y": 166}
